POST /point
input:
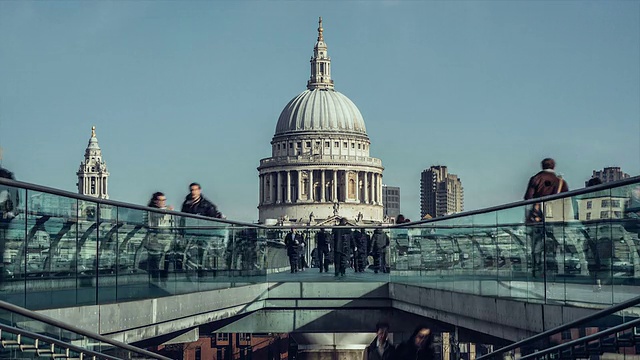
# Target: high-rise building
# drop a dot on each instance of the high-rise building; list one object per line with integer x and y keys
{"x": 390, "y": 201}
{"x": 92, "y": 174}
{"x": 320, "y": 168}
{"x": 441, "y": 193}
{"x": 608, "y": 174}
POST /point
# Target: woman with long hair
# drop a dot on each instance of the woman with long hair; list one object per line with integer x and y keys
{"x": 418, "y": 347}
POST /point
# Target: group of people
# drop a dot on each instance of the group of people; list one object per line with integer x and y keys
{"x": 344, "y": 247}
{"x": 418, "y": 347}
{"x": 194, "y": 203}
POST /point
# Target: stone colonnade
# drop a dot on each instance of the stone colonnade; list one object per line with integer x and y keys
{"x": 311, "y": 186}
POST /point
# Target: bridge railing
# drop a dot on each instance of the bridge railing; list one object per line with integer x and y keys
{"x": 62, "y": 249}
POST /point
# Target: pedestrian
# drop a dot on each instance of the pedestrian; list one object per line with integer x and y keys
{"x": 381, "y": 348}
{"x": 544, "y": 183}
{"x": 195, "y": 203}
{"x": 302, "y": 253}
{"x": 292, "y": 244}
{"x": 418, "y": 347}
{"x": 379, "y": 245}
{"x": 323, "y": 249}
{"x": 159, "y": 237}
{"x": 342, "y": 245}
{"x": 9, "y": 209}
{"x": 360, "y": 255}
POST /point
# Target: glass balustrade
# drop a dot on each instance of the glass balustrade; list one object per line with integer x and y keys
{"x": 61, "y": 250}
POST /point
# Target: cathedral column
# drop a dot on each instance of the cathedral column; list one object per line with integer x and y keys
{"x": 279, "y": 184}
{"x": 311, "y": 185}
{"x": 261, "y": 189}
{"x": 366, "y": 188}
{"x": 322, "y": 186}
{"x": 288, "y": 186}
{"x": 271, "y": 189}
{"x": 380, "y": 188}
{"x": 374, "y": 188}
{"x": 299, "y": 186}
{"x": 357, "y": 186}
{"x": 334, "y": 185}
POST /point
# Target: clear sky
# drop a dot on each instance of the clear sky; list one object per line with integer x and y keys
{"x": 191, "y": 91}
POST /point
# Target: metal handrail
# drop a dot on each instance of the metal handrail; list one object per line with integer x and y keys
{"x": 555, "y": 330}
{"x": 39, "y": 317}
{"x": 605, "y": 186}
{"x": 58, "y": 192}
{"x": 585, "y": 339}
{"x": 51, "y": 340}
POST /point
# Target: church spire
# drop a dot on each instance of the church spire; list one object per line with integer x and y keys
{"x": 320, "y": 64}
{"x": 93, "y": 174}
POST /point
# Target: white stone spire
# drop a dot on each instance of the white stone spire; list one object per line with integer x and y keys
{"x": 92, "y": 174}
{"x": 320, "y": 64}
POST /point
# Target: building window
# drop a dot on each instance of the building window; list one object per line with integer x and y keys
{"x": 222, "y": 336}
{"x": 308, "y": 144}
{"x": 566, "y": 335}
{"x": 588, "y": 216}
{"x": 604, "y": 214}
{"x": 244, "y": 336}
{"x": 605, "y": 203}
{"x": 299, "y": 144}
{"x": 364, "y": 147}
{"x": 198, "y": 355}
{"x": 278, "y": 146}
{"x": 326, "y": 144}
{"x": 336, "y": 144}
{"x": 359, "y": 146}
{"x": 589, "y": 203}
{"x": 353, "y": 146}
{"x": 290, "y": 145}
{"x": 345, "y": 144}
{"x": 617, "y": 214}
{"x": 615, "y": 203}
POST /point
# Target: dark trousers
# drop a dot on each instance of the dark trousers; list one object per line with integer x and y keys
{"x": 323, "y": 259}
{"x": 294, "y": 262}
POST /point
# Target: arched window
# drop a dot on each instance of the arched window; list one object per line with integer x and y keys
{"x": 352, "y": 188}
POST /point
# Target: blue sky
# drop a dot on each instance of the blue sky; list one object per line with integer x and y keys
{"x": 191, "y": 91}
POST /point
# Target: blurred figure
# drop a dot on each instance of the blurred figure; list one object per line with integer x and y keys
{"x": 342, "y": 245}
{"x": 158, "y": 236}
{"x": 594, "y": 181}
{"x": 418, "y": 347}
{"x": 292, "y": 243}
{"x": 195, "y": 203}
{"x": 323, "y": 249}
{"x": 360, "y": 250}
{"x": 400, "y": 219}
{"x": 159, "y": 201}
{"x": 381, "y": 348}
{"x": 379, "y": 244}
{"x": 9, "y": 202}
{"x": 302, "y": 253}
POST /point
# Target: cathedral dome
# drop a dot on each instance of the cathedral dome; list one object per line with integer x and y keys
{"x": 320, "y": 110}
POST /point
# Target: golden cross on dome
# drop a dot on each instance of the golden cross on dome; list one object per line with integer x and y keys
{"x": 93, "y": 131}
{"x": 320, "y": 38}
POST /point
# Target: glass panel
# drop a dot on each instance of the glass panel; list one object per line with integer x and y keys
{"x": 87, "y": 253}
{"x": 486, "y": 257}
{"x": 12, "y": 240}
{"x": 132, "y": 278}
{"x": 625, "y": 228}
{"x": 107, "y": 248}
{"x": 49, "y": 250}
{"x": 514, "y": 253}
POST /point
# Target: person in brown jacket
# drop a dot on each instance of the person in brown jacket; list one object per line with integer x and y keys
{"x": 544, "y": 183}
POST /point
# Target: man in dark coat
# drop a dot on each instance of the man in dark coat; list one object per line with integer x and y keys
{"x": 381, "y": 348}
{"x": 418, "y": 347}
{"x": 9, "y": 206}
{"x": 292, "y": 242}
{"x": 342, "y": 245}
{"x": 322, "y": 242}
{"x": 195, "y": 203}
{"x": 379, "y": 244}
